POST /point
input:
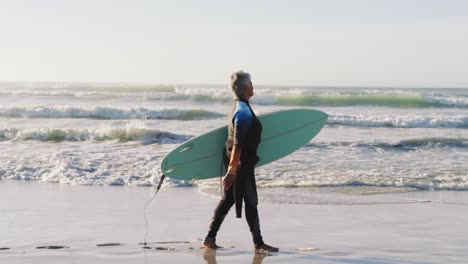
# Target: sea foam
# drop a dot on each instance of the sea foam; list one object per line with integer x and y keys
{"x": 147, "y": 136}
{"x": 405, "y": 121}
{"x": 102, "y": 112}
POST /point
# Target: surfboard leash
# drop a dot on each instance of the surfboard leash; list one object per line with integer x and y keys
{"x": 144, "y": 208}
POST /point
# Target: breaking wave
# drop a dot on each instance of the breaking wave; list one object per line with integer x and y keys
{"x": 121, "y": 135}
{"x": 407, "y": 144}
{"x": 100, "y": 112}
{"x": 410, "y": 121}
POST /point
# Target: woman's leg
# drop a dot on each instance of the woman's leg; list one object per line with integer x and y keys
{"x": 226, "y": 202}
{"x": 251, "y": 213}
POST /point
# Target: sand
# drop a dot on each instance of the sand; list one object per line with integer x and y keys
{"x": 394, "y": 227}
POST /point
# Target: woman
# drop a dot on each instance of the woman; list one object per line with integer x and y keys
{"x": 240, "y": 158}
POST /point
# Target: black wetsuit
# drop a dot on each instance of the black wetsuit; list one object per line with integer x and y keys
{"x": 244, "y": 132}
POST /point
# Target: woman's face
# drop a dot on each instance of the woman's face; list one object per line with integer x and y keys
{"x": 249, "y": 91}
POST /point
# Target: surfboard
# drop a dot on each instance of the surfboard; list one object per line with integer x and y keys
{"x": 283, "y": 133}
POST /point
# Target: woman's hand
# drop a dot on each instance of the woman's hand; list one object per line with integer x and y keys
{"x": 228, "y": 180}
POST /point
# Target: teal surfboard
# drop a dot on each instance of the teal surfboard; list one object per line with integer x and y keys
{"x": 283, "y": 133}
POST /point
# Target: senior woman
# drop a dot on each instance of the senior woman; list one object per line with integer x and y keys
{"x": 240, "y": 157}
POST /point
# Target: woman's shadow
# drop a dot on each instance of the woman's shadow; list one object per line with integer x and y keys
{"x": 209, "y": 255}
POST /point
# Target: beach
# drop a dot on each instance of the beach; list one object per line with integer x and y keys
{"x": 96, "y": 97}
{"x": 392, "y": 227}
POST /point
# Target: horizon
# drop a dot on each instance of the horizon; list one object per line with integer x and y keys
{"x": 211, "y": 85}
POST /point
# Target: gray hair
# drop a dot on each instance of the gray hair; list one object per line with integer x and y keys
{"x": 239, "y": 81}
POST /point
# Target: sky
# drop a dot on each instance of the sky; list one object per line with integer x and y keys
{"x": 385, "y": 43}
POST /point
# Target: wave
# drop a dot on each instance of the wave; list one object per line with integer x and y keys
{"x": 285, "y": 96}
{"x": 446, "y": 184}
{"x": 333, "y": 100}
{"x": 99, "y": 112}
{"x": 410, "y": 121}
{"x": 385, "y": 100}
{"x": 120, "y": 135}
{"x": 404, "y": 145}
{"x": 353, "y": 100}
{"x": 339, "y": 98}
{"x": 448, "y": 101}
{"x": 80, "y": 89}
{"x": 53, "y": 93}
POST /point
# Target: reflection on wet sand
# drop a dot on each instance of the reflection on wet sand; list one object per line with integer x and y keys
{"x": 209, "y": 255}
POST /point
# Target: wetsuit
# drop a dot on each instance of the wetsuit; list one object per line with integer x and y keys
{"x": 244, "y": 131}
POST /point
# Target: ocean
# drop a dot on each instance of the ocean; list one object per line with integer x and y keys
{"x": 117, "y": 134}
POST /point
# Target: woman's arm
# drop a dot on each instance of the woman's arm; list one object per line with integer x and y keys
{"x": 232, "y": 168}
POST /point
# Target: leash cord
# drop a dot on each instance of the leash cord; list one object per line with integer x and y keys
{"x": 144, "y": 208}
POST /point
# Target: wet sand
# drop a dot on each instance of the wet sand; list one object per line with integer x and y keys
{"x": 341, "y": 227}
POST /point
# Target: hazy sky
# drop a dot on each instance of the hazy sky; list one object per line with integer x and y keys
{"x": 316, "y": 42}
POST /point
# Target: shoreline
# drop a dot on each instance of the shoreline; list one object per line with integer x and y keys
{"x": 81, "y": 217}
